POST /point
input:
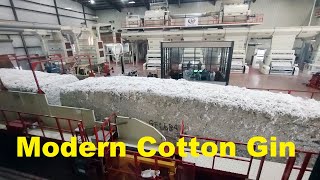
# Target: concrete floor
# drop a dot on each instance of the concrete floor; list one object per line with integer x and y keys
{"x": 252, "y": 80}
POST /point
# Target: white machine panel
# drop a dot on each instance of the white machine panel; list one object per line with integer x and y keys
{"x": 240, "y": 9}
{"x": 283, "y": 42}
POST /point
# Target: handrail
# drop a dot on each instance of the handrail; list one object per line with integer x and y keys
{"x": 289, "y": 164}
{"x": 40, "y": 123}
{"x": 105, "y": 123}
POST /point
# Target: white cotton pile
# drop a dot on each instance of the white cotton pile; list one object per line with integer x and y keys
{"x": 269, "y": 103}
{"x": 23, "y": 80}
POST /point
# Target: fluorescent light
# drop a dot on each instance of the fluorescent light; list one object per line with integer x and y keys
{"x": 92, "y": 1}
{"x": 69, "y": 8}
{"x": 131, "y": 2}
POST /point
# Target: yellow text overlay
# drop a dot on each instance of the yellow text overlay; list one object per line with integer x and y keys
{"x": 257, "y": 147}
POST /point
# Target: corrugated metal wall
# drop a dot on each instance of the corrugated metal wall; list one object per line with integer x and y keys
{"x": 42, "y": 11}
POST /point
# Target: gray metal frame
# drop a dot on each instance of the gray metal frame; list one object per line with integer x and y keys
{"x": 199, "y": 44}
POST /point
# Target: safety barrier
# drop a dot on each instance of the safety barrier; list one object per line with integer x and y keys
{"x": 216, "y": 141}
{"x": 289, "y": 164}
{"x": 106, "y": 124}
{"x": 24, "y": 123}
{"x": 302, "y": 169}
{"x": 28, "y": 58}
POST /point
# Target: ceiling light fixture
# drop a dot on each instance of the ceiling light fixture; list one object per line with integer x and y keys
{"x": 131, "y": 2}
{"x": 92, "y": 1}
{"x": 69, "y": 8}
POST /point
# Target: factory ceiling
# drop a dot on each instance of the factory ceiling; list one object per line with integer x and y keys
{"x": 121, "y": 4}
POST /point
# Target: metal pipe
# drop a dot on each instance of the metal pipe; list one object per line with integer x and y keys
{"x": 25, "y": 25}
{"x": 311, "y": 15}
{"x": 57, "y": 12}
{"x": 11, "y": 30}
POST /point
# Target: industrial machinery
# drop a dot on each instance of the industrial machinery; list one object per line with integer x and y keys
{"x": 155, "y": 18}
{"x": 235, "y": 11}
{"x": 60, "y": 43}
{"x": 157, "y": 15}
{"x": 186, "y": 59}
{"x": 315, "y": 81}
{"x": 281, "y": 47}
{"x": 238, "y": 65}
{"x": 153, "y": 57}
{"x": 192, "y": 58}
{"x": 61, "y": 123}
{"x": 231, "y": 12}
{"x": 116, "y": 51}
{"x": 240, "y": 38}
{"x": 281, "y": 57}
{"x": 133, "y": 21}
{"x": 101, "y": 29}
{"x": 313, "y": 66}
{"x": 90, "y": 44}
{"x": 280, "y": 62}
{"x": 258, "y": 58}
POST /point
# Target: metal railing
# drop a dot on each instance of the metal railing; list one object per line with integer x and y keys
{"x": 106, "y": 124}
{"x": 216, "y": 141}
{"x": 289, "y": 164}
{"x": 37, "y": 122}
{"x": 28, "y": 59}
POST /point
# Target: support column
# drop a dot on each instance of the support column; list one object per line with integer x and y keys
{"x": 25, "y": 48}
{"x": 84, "y": 15}
{"x": 57, "y": 12}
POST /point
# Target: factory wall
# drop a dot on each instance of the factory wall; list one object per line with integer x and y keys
{"x": 280, "y": 13}
{"x": 42, "y": 11}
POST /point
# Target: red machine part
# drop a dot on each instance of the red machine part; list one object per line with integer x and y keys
{"x": 106, "y": 69}
{"x": 315, "y": 81}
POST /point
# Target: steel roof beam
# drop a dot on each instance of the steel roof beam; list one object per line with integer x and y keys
{"x": 114, "y": 5}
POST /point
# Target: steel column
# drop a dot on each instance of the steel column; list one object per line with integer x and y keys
{"x": 84, "y": 15}
{"x": 229, "y": 61}
{"x": 57, "y": 12}
{"x": 25, "y": 48}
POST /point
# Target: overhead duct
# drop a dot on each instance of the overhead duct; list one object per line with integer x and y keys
{"x": 11, "y": 30}
{"x": 24, "y": 25}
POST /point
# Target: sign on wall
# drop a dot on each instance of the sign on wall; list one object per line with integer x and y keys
{"x": 192, "y": 21}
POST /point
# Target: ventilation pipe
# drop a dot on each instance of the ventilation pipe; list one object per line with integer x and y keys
{"x": 24, "y": 25}
{"x": 11, "y": 30}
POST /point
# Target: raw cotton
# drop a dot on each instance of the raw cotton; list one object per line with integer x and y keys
{"x": 23, "y": 80}
{"x": 227, "y": 112}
